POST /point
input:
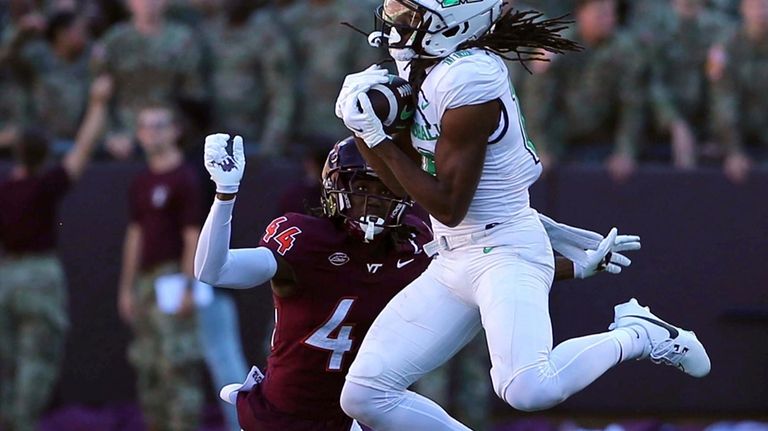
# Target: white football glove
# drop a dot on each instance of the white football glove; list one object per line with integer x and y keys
{"x": 584, "y": 248}
{"x": 226, "y": 171}
{"x": 606, "y": 256}
{"x": 357, "y": 82}
{"x": 365, "y": 124}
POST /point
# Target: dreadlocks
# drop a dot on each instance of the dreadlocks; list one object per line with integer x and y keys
{"x": 527, "y": 35}
{"x": 524, "y": 33}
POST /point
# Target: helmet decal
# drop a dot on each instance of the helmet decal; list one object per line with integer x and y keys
{"x": 433, "y": 28}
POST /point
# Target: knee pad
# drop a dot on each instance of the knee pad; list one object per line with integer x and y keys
{"x": 358, "y": 401}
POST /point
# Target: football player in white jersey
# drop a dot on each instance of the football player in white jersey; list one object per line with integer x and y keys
{"x": 495, "y": 264}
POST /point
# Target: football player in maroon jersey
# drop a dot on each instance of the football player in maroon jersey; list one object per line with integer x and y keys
{"x": 331, "y": 275}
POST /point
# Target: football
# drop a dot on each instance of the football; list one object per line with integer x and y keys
{"x": 393, "y": 104}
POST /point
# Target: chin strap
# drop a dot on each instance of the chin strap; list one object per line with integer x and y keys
{"x": 370, "y": 231}
{"x": 371, "y": 226}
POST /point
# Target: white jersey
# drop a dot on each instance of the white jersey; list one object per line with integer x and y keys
{"x": 472, "y": 77}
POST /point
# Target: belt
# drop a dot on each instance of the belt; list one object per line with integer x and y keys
{"x": 451, "y": 242}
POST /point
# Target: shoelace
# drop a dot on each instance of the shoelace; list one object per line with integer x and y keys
{"x": 668, "y": 353}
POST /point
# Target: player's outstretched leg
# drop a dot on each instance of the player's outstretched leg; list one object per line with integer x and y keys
{"x": 666, "y": 344}
{"x": 421, "y": 328}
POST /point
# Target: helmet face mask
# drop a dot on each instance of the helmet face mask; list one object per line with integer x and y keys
{"x": 434, "y": 28}
{"x": 352, "y": 191}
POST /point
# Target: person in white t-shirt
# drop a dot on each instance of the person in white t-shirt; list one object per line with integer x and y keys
{"x": 469, "y": 163}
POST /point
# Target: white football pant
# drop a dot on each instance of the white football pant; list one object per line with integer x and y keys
{"x": 499, "y": 279}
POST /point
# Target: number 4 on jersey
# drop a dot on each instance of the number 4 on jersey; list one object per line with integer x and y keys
{"x": 339, "y": 345}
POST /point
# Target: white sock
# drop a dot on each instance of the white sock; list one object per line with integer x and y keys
{"x": 632, "y": 342}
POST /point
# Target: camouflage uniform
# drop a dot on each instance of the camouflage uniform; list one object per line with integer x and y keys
{"x": 327, "y": 52}
{"x": 650, "y": 19}
{"x": 725, "y": 8}
{"x": 518, "y": 74}
{"x": 15, "y": 104}
{"x": 679, "y": 88}
{"x": 13, "y": 100}
{"x": 33, "y": 325}
{"x": 739, "y": 97}
{"x": 553, "y": 8}
{"x": 166, "y": 354}
{"x": 253, "y": 79}
{"x": 162, "y": 68}
{"x": 59, "y": 89}
{"x": 595, "y": 97}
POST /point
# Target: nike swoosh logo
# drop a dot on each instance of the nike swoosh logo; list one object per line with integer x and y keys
{"x": 401, "y": 264}
{"x": 406, "y": 114}
{"x": 673, "y": 332}
{"x": 487, "y": 250}
{"x": 424, "y": 105}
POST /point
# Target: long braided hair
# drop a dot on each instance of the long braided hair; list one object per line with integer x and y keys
{"x": 521, "y": 36}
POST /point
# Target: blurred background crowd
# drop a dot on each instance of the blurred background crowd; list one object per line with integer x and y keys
{"x": 678, "y": 83}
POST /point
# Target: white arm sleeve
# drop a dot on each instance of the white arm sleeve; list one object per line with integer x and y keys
{"x": 219, "y": 266}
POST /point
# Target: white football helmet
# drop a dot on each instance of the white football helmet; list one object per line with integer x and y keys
{"x": 433, "y": 28}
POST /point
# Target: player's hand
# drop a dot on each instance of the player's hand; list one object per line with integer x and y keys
{"x": 357, "y": 82}
{"x": 226, "y": 170}
{"x": 360, "y": 118}
{"x": 606, "y": 256}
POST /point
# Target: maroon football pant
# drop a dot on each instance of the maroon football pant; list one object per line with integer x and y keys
{"x": 255, "y": 413}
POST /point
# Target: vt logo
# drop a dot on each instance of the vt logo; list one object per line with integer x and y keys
{"x": 373, "y": 267}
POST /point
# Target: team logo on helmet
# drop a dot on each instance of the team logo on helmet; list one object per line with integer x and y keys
{"x": 449, "y": 3}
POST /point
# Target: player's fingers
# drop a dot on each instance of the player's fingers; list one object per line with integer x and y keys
{"x": 613, "y": 269}
{"x": 351, "y": 106}
{"x": 366, "y": 85}
{"x": 627, "y": 238}
{"x": 374, "y": 70}
{"x": 620, "y": 259}
{"x": 629, "y": 246}
{"x": 217, "y": 140}
{"x": 373, "y": 67}
{"x": 607, "y": 243}
{"x": 237, "y": 149}
{"x": 365, "y": 103}
{"x": 376, "y": 74}
{"x": 632, "y": 242}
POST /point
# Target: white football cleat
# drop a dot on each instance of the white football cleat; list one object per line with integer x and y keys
{"x": 229, "y": 393}
{"x": 668, "y": 344}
